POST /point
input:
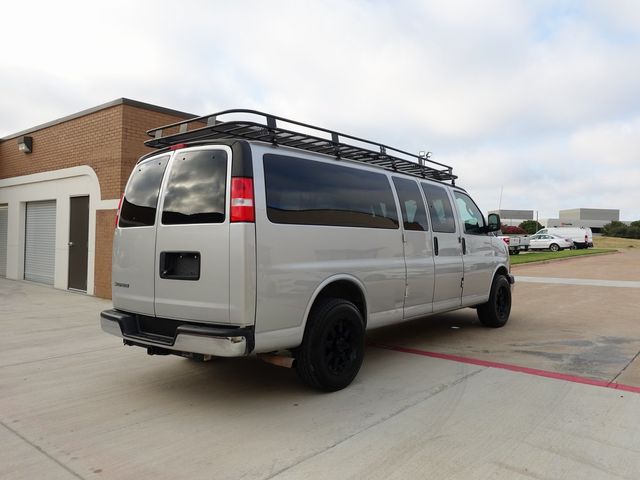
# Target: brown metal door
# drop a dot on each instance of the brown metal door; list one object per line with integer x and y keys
{"x": 78, "y": 242}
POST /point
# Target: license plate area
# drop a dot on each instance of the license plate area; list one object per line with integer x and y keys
{"x": 180, "y": 265}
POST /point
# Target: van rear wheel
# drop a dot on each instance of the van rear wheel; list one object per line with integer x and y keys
{"x": 333, "y": 346}
{"x": 495, "y": 312}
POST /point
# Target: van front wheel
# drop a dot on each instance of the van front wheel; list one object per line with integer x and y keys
{"x": 333, "y": 346}
{"x": 495, "y": 312}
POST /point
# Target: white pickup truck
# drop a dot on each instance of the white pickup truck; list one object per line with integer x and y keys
{"x": 516, "y": 243}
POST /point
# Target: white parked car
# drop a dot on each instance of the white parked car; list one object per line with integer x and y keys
{"x": 541, "y": 241}
{"x": 581, "y": 237}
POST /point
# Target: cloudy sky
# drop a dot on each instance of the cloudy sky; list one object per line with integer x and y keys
{"x": 539, "y": 99}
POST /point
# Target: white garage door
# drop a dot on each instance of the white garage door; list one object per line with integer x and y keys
{"x": 40, "y": 242}
{"x": 3, "y": 240}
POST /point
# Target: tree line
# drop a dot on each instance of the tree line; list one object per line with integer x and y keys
{"x": 619, "y": 229}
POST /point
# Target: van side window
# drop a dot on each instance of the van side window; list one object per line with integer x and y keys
{"x": 196, "y": 190}
{"x": 141, "y": 196}
{"x": 414, "y": 213}
{"x": 307, "y": 192}
{"x": 469, "y": 213}
{"x": 440, "y": 211}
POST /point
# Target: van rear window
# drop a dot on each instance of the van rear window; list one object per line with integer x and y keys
{"x": 314, "y": 193}
{"x": 141, "y": 196}
{"x": 196, "y": 189}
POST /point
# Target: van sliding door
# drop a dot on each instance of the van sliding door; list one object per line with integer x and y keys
{"x": 418, "y": 249}
{"x": 447, "y": 248}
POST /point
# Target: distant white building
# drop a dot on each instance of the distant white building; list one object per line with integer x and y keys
{"x": 514, "y": 217}
{"x": 595, "y": 218}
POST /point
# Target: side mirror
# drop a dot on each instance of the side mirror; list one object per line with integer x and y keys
{"x": 493, "y": 224}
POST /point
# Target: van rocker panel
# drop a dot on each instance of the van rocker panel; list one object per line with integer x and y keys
{"x": 186, "y": 337}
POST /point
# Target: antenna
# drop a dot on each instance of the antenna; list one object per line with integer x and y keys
{"x": 424, "y": 157}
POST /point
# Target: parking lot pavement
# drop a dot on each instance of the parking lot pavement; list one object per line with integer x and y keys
{"x": 563, "y": 320}
{"x": 75, "y": 403}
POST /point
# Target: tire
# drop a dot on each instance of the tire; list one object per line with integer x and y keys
{"x": 554, "y": 247}
{"x": 495, "y": 313}
{"x": 333, "y": 346}
{"x": 515, "y": 252}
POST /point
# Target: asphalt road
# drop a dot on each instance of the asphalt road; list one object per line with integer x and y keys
{"x": 439, "y": 398}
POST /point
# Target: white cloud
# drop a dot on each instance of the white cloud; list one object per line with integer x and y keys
{"x": 614, "y": 143}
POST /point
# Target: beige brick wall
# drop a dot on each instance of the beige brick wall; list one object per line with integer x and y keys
{"x": 105, "y": 220}
{"x": 93, "y": 140}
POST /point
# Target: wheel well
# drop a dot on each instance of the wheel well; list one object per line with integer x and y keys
{"x": 346, "y": 290}
{"x": 501, "y": 271}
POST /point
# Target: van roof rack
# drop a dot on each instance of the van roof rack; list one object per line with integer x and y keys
{"x": 255, "y": 125}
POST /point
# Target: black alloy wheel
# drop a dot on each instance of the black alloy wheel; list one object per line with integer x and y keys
{"x": 340, "y": 347}
{"x": 332, "y": 350}
{"x": 495, "y": 313}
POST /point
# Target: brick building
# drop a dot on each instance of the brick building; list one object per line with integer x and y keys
{"x": 60, "y": 184}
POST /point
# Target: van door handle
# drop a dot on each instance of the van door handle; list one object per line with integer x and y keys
{"x": 435, "y": 245}
{"x": 464, "y": 246}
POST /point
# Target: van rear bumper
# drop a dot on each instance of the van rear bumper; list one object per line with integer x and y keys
{"x": 188, "y": 338}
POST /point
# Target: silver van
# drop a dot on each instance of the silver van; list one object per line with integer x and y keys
{"x": 247, "y": 233}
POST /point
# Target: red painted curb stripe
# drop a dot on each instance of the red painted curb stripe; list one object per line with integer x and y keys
{"x": 512, "y": 368}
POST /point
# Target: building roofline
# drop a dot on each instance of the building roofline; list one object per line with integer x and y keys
{"x": 89, "y": 111}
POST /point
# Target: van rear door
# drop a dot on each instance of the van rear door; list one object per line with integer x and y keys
{"x": 192, "y": 241}
{"x": 135, "y": 238}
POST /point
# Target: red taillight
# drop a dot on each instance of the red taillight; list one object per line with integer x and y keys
{"x": 177, "y": 146}
{"x": 242, "y": 208}
{"x": 118, "y": 211}
{"x": 507, "y": 240}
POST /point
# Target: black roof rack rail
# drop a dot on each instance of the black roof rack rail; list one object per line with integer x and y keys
{"x": 268, "y": 128}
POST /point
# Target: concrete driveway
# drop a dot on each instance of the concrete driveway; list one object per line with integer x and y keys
{"x": 75, "y": 403}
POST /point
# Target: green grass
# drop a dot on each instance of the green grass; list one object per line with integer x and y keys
{"x": 615, "y": 242}
{"x": 545, "y": 256}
